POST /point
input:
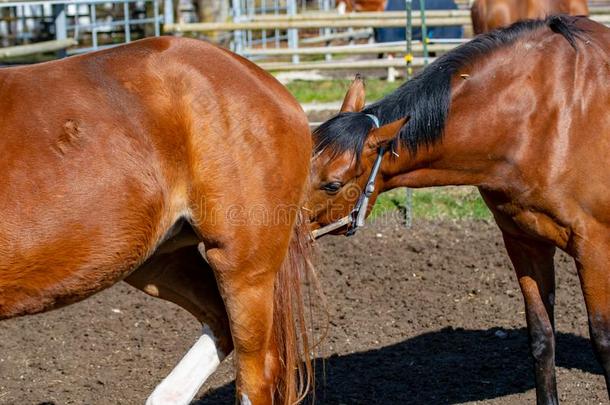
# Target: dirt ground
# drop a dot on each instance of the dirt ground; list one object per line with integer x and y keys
{"x": 428, "y": 315}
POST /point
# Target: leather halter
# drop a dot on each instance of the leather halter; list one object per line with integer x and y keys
{"x": 356, "y": 217}
{"x": 358, "y": 214}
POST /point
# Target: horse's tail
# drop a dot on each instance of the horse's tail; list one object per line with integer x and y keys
{"x": 296, "y": 376}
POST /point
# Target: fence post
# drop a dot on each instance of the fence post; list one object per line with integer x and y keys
{"x": 409, "y": 60}
{"x": 61, "y": 26}
{"x": 326, "y": 31}
{"x": 168, "y": 11}
{"x": 276, "y": 11}
{"x": 293, "y": 33}
{"x": 94, "y": 25}
{"x": 156, "y": 17}
{"x": 424, "y": 29}
{"x": 238, "y": 35}
{"x": 250, "y": 12}
{"x": 409, "y": 37}
{"x": 126, "y": 22}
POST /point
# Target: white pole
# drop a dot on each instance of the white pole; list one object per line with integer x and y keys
{"x": 168, "y": 12}
{"x": 293, "y": 34}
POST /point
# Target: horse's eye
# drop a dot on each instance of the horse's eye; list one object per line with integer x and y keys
{"x": 332, "y": 187}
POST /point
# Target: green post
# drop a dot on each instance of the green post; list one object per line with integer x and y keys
{"x": 424, "y": 29}
{"x": 409, "y": 60}
{"x": 409, "y": 38}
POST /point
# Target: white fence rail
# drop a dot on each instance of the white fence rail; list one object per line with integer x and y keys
{"x": 62, "y": 24}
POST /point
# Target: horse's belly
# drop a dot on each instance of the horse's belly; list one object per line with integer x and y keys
{"x": 48, "y": 279}
{"x": 41, "y": 271}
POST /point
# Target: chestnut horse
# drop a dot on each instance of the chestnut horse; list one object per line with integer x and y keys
{"x": 537, "y": 149}
{"x": 360, "y": 5}
{"x": 488, "y": 15}
{"x": 171, "y": 164}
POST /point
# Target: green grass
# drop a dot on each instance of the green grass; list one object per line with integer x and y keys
{"x": 29, "y": 59}
{"x": 436, "y": 203}
{"x": 325, "y": 91}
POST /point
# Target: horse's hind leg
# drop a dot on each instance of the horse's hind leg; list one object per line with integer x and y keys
{"x": 248, "y": 293}
{"x": 593, "y": 263}
{"x": 186, "y": 279}
{"x": 578, "y": 7}
{"x": 533, "y": 262}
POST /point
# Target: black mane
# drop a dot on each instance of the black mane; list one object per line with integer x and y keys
{"x": 426, "y": 98}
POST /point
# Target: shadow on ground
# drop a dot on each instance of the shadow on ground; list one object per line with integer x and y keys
{"x": 446, "y": 366}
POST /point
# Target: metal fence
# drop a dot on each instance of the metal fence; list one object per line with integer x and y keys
{"x": 244, "y": 11}
{"x": 92, "y": 24}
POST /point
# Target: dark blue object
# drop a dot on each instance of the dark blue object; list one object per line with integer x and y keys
{"x": 398, "y": 34}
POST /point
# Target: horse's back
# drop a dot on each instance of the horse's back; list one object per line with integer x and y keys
{"x": 488, "y": 15}
{"x": 570, "y": 7}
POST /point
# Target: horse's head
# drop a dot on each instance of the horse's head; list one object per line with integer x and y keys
{"x": 346, "y": 148}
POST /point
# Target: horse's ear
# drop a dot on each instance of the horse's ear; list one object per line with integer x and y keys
{"x": 384, "y": 134}
{"x": 354, "y": 99}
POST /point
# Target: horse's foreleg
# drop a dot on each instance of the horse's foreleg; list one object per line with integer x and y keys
{"x": 186, "y": 279}
{"x": 533, "y": 262}
{"x": 593, "y": 263}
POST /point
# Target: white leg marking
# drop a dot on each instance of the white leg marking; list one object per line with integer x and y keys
{"x": 245, "y": 400}
{"x": 341, "y": 8}
{"x": 182, "y": 384}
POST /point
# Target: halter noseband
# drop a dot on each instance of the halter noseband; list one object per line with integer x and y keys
{"x": 356, "y": 217}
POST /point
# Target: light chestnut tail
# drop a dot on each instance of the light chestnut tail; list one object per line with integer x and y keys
{"x": 296, "y": 376}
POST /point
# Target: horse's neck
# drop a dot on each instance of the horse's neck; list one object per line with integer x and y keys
{"x": 473, "y": 150}
{"x": 524, "y": 124}
{"x": 457, "y": 161}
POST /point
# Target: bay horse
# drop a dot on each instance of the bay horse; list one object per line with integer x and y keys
{"x": 537, "y": 149}
{"x": 488, "y": 15}
{"x": 178, "y": 167}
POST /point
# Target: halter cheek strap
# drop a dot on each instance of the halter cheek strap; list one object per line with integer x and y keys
{"x": 358, "y": 214}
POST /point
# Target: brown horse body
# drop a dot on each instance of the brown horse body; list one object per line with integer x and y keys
{"x": 130, "y": 162}
{"x": 360, "y": 5}
{"x": 537, "y": 148}
{"x": 488, "y": 15}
